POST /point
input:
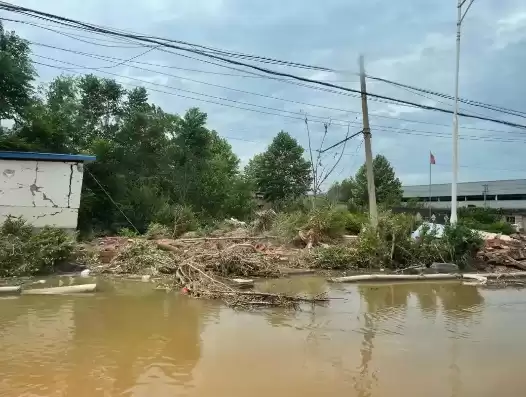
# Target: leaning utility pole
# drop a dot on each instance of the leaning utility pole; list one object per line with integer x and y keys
{"x": 460, "y": 18}
{"x": 371, "y": 189}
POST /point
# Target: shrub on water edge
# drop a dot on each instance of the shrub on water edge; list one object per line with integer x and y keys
{"x": 26, "y": 251}
{"x": 334, "y": 257}
{"x": 460, "y": 244}
{"x": 391, "y": 245}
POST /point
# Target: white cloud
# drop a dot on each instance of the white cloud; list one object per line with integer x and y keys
{"x": 510, "y": 30}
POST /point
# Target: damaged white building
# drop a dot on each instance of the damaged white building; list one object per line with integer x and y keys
{"x": 43, "y": 188}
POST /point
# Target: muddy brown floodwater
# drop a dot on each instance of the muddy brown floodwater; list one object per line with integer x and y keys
{"x": 385, "y": 340}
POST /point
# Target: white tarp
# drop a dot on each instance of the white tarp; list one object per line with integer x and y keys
{"x": 432, "y": 228}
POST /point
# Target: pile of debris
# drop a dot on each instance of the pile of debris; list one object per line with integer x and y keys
{"x": 500, "y": 253}
{"x": 213, "y": 268}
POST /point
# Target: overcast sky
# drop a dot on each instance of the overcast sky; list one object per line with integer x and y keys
{"x": 410, "y": 41}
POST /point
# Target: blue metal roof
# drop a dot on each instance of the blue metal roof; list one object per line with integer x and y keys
{"x": 45, "y": 156}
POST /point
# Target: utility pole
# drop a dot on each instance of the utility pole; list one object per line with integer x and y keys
{"x": 460, "y": 18}
{"x": 485, "y": 192}
{"x": 371, "y": 189}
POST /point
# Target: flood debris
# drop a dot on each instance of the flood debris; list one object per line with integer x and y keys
{"x": 196, "y": 282}
{"x": 501, "y": 252}
{"x": 211, "y": 268}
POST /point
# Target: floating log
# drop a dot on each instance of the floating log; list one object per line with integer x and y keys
{"x": 243, "y": 282}
{"x": 10, "y": 289}
{"x": 393, "y": 277}
{"x": 71, "y": 289}
{"x": 503, "y": 275}
{"x": 480, "y": 278}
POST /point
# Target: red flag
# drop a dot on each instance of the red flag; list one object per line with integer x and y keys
{"x": 431, "y": 158}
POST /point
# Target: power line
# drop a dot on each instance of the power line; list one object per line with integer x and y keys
{"x": 212, "y": 51}
{"x": 94, "y": 56}
{"x": 189, "y": 97}
{"x": 121, "y": 61}
{"x": 104, "y": 57}
{"x": 446, "y": 96}
{"x": 209, "y": 51}
{"x": 166, "y": 43}
{"x": 384, "y": 128}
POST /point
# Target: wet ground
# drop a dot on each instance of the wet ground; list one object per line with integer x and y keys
{"x": 430, "y": 340}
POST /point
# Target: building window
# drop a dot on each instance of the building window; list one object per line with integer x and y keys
{"x": 505, "y": 197}
{"x": 510, "y": 219}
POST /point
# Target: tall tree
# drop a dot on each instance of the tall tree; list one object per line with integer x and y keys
{"x": 388, "y": 186}
{"x": 16, "y": 74}
{"x": 280, "y": 172}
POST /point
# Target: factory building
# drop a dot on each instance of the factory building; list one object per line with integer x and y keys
{"x": 508, "y": 195}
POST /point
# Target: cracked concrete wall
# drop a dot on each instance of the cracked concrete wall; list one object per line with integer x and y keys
{"x": 43, "y": 192}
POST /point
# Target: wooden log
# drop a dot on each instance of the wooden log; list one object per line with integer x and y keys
{"x": 503, "y": 275}
{"x": 393, "y": 277}
{"x": 10, "y": 289}
{"x": 71, "y": 289}
{"x": 226, "y": 238}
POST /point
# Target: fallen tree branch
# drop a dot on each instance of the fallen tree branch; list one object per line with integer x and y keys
{"x": 227, "y": 238}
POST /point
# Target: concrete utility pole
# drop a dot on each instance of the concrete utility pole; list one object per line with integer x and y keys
{"x": 371, "y": 189}
{"x": 460, "y": 18}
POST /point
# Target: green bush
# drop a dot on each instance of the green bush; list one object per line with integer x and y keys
{"x": 484, "y": 216}
{"x": 25, "y": 251}
{"x": 127, "y": 232}
{"x": 156, "y": 231}
{"x": 326, "y": 223}
{"x": 287, "y": 225}
{"x": 354, "y": 222}
{"x": 495, "y": 227}
{"x": 391, "y": 245}
{"x": 459, "y": 244}
{"x": 333, "y": 257}
{"x": 184, "y": 220}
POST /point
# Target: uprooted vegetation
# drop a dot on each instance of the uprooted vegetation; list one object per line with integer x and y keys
{"x": 26, "y": 251}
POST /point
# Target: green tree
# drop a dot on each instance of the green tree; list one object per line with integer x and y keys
{"x": 388, "y": 186}
{"x": 16, "y": 74}
{"x": 281, "y": 172}
{"x": 341, "y": 191}
{"x": 152, "y": 163}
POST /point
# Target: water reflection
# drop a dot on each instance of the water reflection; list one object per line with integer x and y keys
{"x": 437, "y": 340}
{"x": 90, "y": 345}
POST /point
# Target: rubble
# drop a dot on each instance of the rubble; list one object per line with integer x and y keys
{"x": 502, "y": 251}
